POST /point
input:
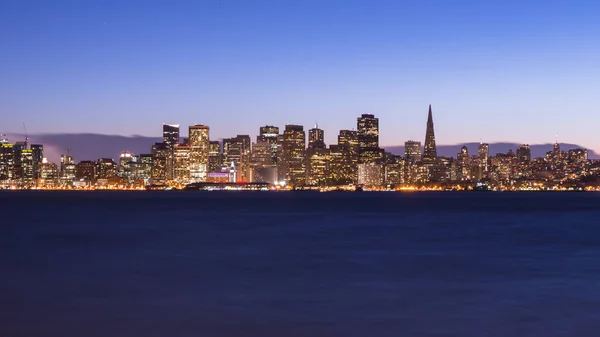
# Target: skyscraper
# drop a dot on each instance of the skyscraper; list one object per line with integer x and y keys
{"x": 412, "y": 151}
{"x": 293, "y": 146}
{"x": 429, "y": 151}
{"x": 38, "y": 154}
{"x": 237, "y": 150}
{"x": 161, "y": 153}
{"x": 170, "y": 138}
{"x": 268, "y": 134}
{"x": 171, "y": 134}
{"x": 368, "y": 139}
{"x": 524, "y": 153}
{"x": 199, "y": 150}
{"x": 181, "y": 164}
{"x": 483, "y": 153}
{"x": 316, "y": 138}
{"x": 215, "y": 161}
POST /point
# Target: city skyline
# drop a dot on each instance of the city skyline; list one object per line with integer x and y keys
{"x": 518, "y": 72}
{"x": 298, "y": 158}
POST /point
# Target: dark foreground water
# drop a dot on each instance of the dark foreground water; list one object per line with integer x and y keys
{"x": 299, "y": 264}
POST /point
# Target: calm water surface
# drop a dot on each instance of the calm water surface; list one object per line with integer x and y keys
{"x": 299, "y": 264}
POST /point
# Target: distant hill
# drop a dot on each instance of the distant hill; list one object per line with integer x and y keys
{"x": 94, "y": 146}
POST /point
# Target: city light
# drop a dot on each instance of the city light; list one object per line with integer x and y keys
{"x": 294, "y": 160}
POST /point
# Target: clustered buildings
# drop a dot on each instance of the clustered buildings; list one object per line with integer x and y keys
{"x": 288, "y": 159}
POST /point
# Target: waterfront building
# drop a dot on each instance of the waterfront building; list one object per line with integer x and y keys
{"x": 170, "y": 139}
{"x": 237, "y": 150}
{"x": 106, "y": 168}
{"x": 368, "y": 139}
{"x": 37, "y": 151}
{"x": 161, "y": 153}
{"x": 85, "y": 170}
{"x": 199, "y": 150}
{"x": 293, "y": 147}
{"x": 318, "y": 160}
{"x": 215, "y": 160}
{"x": 181, "y": 164}
{"x": 370, "y": 174}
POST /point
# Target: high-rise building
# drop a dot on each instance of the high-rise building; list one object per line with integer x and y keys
{"x": 171, "y": 134}
{"x": 316, "y": 138}
{"x": 483, "y": 154}
{"x": 86, "y": 170}
{"x": 463, "y": 165}
{"x": 368, "y": 131}
{"x": 127, "y": 166}
{"x": 170, "y": 139}
{"x": 371, "y": 174}
{"x": 429, "y": 150}
{"x": 37, "y": 151}
{"x": 368, "y": 139}
{"x": 27, "y": 165}
{"x": 412, "y": 151}
{"x": 237, "y": 150}
{"x": 48, "y": 173}
{"x": 318, "y": 160}
{"x": 67, "y": 168}
{"x": 161, "y": 153}
{"x": 293, "y": 147}
{"x": 144, "y": 168}
{"x": 268, "y": 134}
{"x": 199, "y": 150}
{"x": 18, "y": 149}
{"x": 524, "y": 153}
{"x": 181, "y": 170}
{"x": 264, "y": 168}
{"x": 106, "y": 168}
{"x": 7, "y": 160}
{"x": 215, "y": 160}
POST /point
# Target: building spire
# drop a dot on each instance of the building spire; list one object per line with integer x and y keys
{"x": 430, "y": 150}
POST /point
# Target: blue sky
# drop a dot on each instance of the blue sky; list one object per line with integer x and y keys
{"x": 519, "y": 71}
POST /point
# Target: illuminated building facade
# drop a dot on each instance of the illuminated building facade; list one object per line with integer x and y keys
{"x": 293, "y": 147}
{"x": 368, "y": 139}
{"x": 371, "y": 174}
{"x": 160, "y": 159}
{"x": 317, "y": 165}
{"x": 215, "y": 159}
{"x": 85, "y": 170}
{"x": 316, "y": 138}
{"x": 106, "y": 168}
{"x": 412, "y": 151}
{"x": 170, "y": 139}
{"x": 37, "y": 151}
{"x": 181, "y": 168}
{"x": 237, "y": 150}
{"x": 199, "y": 150}
{"x": 463, "y": 165}
{"x": 7, "y": 160}
{"x": 524, "y": 153}
{"x": 430, "y": 150}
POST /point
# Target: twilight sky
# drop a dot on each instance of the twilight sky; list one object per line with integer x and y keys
{"x": 519, "y": 71}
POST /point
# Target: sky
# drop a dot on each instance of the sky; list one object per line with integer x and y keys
{"x": 520, "y": 71}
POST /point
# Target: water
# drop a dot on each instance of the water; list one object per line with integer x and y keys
{"x": 299, "y": 264}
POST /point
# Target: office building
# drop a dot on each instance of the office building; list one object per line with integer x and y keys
{"x": 429, "y": 150}
{"x": 293, "y": 148}
{"x": 199, "y": 150}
